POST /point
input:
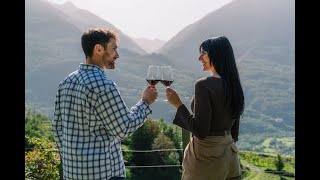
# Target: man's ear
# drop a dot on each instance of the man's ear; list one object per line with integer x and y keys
{"x": 97, "y": 49}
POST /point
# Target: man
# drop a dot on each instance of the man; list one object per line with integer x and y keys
{"x": 90, "y": 117}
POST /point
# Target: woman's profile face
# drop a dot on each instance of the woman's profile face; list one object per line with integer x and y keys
{"x": 204, "y": 58}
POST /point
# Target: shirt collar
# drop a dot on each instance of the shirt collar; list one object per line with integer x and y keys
{"x": 91, "y": 67}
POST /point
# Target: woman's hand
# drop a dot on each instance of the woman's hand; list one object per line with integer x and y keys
{"x": 173, "y": 98}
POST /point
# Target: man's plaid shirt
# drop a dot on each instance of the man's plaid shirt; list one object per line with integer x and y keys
{"x": 90, "y": 119}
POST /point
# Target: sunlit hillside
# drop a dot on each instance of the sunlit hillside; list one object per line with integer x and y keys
{"x": 262, "y": 35}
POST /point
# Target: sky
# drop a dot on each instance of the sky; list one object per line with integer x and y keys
{"x": 151, "y": 19}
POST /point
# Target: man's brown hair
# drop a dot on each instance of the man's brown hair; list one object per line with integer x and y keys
{"x": 95, "y": 36}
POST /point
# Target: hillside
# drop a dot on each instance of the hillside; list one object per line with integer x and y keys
{"x": 261, "y": 32}
{"x": 53, "y": 47}
{"x": 263, "y": 35}
{"x": 84, "y": 19}
{"x": 149, "y": 45}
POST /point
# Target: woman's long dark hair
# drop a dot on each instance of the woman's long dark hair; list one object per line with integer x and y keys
{"x": 222, "y": 58}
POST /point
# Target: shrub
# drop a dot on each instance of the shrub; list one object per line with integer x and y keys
{"x": 42, "y": 162}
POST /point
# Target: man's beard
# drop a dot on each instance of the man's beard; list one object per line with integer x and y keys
{"x": 110, "y": 64}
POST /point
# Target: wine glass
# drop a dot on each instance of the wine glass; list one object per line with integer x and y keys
{"x": 153, "y": 75}
{"x": 166, "y": 76}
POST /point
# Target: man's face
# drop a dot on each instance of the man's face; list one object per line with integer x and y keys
{"x": 110, "y": 54}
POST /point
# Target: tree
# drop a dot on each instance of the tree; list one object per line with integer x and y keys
{"x": 279, "y": 163}
{"x": 142, "y": 139}
{"x": 151, "y": 137}
{"x": 167, "y": 158}
{"x": 174, "y": 133}
{"x": 37, "y": 125}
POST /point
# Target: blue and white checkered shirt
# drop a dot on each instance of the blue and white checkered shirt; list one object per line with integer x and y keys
{"x": 90, "y": 119}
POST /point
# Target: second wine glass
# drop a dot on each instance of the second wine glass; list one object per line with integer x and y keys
{"x": 166, "y": 76}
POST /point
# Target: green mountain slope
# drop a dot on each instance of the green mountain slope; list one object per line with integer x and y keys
{"x": 262, "y": 34}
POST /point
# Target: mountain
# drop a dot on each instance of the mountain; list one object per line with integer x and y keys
{"x": 149, "y": 45}
{"x": 53, "y": 47}
{"x": 246, "y": 23}
{"x": 54, "y": 31}
{"x": 84, "y": 19}
{"x": 262, "y": 33}
{"x": 53, "y": 50}
{"x": 48, "y": 37}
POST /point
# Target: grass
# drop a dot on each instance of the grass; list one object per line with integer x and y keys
{"x": 269, "y": 148}
{"x": 257, "y": 173}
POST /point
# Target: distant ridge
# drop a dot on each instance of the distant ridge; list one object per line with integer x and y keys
{"x": 149, "y": 45}
{"x": 84, "y": 19}
{"x": 244, "y": 22}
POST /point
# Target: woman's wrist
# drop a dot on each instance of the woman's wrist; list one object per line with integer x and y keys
{"x": 178, "y": 105}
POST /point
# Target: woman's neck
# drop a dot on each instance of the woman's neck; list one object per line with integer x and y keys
{"x": 215, "y": 74}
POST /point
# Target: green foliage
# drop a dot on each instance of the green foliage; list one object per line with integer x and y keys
{"x": 274, "y": 143}
{"x": 152, "y": 135}
{"x": 37, "y": 125}
{"x": 165, "y": 157}
{"x": 128, "y": 174}
{"x": 173, "y": 132}
{"x": 142, "y": 139}
{"x": 279, "y": 163}
{"x": 245, "y": 171}
{"x": 42, "y": 162}
{"x": 268, "y": 161}
{"x": 252, "y": 172}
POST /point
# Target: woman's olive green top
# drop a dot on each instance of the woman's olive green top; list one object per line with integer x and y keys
{"x": 211, "y": 114}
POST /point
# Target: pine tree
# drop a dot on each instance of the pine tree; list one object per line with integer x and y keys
{"x": 279, "y": 163}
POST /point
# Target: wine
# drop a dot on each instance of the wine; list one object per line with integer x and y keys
{"x": 167, "y": 82}
{"x": 153, "y": 81}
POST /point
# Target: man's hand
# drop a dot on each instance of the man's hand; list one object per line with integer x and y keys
{"x": 149, "y": 94}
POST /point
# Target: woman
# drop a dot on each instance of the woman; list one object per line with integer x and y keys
{"x": 217, "y": 106}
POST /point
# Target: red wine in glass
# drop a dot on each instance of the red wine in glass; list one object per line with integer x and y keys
{"x": 153, "y": 81}
{"x": 153, "y": 75}
{"x": 167, "y": 82}
{"x": 166, "y": 76}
